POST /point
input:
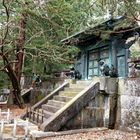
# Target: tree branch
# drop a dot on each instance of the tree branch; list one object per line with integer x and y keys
{"x": 129, "y": 7}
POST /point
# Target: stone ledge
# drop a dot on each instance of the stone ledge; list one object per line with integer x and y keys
{"x": 40, "y": 134}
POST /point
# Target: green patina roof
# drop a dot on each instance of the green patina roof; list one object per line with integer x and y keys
{"x": 124, "y": 24}
{"x": 102, "y": 31}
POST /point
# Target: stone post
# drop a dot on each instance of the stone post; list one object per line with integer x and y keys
{"x": 112, "y": 90}
{"x": 113, "y": 110}
{"x": 110, "y": 87}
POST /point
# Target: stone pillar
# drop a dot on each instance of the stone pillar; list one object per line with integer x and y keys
{"x": 128, "y": 115}
{"x": 110, "y": 87}
{"x": 113, "y": 110}
{"x": 112, "y": 90}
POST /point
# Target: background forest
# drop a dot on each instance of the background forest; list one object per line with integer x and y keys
{"x": 31, "y": 32}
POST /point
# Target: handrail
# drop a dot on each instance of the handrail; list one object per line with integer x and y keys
{"x": 71, "y": 108}
{"x": 48, "y": 97}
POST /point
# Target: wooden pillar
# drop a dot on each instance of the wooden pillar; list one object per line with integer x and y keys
{"x": 114, "y": 52}
{"x": 85, "y": 65}
{"x": 127, "y": 53}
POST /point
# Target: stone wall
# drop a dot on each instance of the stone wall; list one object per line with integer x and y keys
{"x": 46, "y": 86}
{"x": 119, "y": 96}
{"x": 128, "y": 114}
{"x": 123, "y": 102}
{"x": 113, "y": 107}
{"x": 42, "y": 90}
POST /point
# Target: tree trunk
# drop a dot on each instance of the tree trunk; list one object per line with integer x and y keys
{"x": 15, "y": 83}
{"x": 15, "y": 73}
{"x": 20, "y": 46}
{"x": 15, "y": 77}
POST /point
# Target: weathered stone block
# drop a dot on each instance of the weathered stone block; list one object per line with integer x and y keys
{"x": 128, "y": 116}
{"x": 132, "y": 86}
{"x": 121, "y": 88}
{"x": 106, "y": 111}
{"x": 99, "y": 101}
{"x": 130, "y": 102}
{"x": 130, "y": 119}
{"x": 109, "y": 85}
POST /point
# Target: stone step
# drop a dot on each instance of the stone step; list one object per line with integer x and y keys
{"x": 85, "y": 82}
{"x": 73, "y": 89}
{"x": 50, "y": 108}
{"x": 68, "y": 94}
{"x": 56, "y": 103}
{"x": 47, "y": 114}
{"x": 78, "y": 86}
{"x": 62, "y": 98}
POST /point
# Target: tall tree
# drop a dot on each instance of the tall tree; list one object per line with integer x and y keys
{"x": 13, "y": 67}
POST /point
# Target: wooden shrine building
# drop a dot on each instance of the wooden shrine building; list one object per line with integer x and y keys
{"x": 106, "y": 41}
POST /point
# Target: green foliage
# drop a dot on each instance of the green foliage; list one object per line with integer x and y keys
{"x": 52, "y": 21}
{"x": 135, "y": 54}
{"x": 46, "y": 26}
{"x": 4, "y": 82}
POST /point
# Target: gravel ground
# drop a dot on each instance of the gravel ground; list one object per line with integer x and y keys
{"x": 100, "y": 135}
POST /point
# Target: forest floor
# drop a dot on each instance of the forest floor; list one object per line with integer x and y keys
{"x": 15, "y": 111}
{"x": 95, "y": 135}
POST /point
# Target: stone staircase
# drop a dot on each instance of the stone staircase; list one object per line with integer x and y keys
{"x": 58, "y": 103}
